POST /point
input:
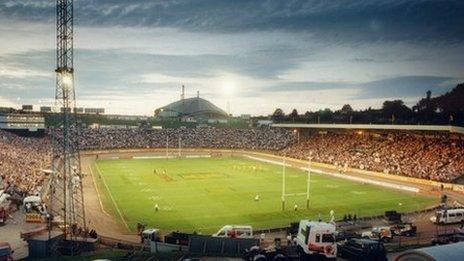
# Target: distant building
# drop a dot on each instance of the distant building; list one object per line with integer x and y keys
{"x": 7, "y": 110}
{"x": 94, "y": 110}
{"x": 264, "y": 123}
{"x": 62, "y": 109}
{"x": 45, "y": 109}
{"x": 79, "y": 110}
{"x": 216, "y": 121}
{"x": 126, "y": 117}
{"x": 245, "y": 116}
{"x": 28, "y": 107}
{"x": 22, "y": 122}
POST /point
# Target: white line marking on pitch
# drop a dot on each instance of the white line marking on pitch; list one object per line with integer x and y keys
{"x": 343, "y": 176}
{"x": 96, "y": 189}
{"x": 112, "y": 199}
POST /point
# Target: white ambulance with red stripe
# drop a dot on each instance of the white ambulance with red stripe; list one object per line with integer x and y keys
{"x": 317, "y": 238}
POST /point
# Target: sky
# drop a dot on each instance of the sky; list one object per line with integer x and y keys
{"x": 132, "y": 57}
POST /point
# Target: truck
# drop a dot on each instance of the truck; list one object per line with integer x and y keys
{"x": 149, "y": 235}
{"x": 235, "y": 231}
{"x": 382, "y": 233}
{"x": 404, "y": 229}
{"x": 448, "y": 216}
{"x": 316, "y": 238}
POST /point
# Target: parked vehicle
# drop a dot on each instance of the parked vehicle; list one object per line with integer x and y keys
{"x": 6, "y": 254}
{"x": 404, "y": 229}
{"x": 235, "y": 231}
{"x": 345, "y": 235}
{"x": 151, "y": 234}
{"x": 3, "y": 206}
{"x": 317, "y": 238}
{"x": 446, "y": 238}
{"x": 362, "y": 249}
{"x": 31, "y": 202}
{"x": 3, "y": 215}
{"x": 448, "y": 216}
{"x": 383, "y": 233}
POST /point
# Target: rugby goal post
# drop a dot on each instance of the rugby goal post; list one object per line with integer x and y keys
{"x": 308, "y": 183}
{"x": 179, "y": 147}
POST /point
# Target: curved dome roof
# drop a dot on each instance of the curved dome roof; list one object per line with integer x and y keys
{"x": 193, "y": 107}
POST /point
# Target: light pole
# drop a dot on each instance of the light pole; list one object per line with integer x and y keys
{"x": 308, "y": 185}
{"x": 283, "y": 185}
{"x": 297, "y": 132}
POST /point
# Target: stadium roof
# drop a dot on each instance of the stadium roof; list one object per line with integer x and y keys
{"x": 191, "y": 107}
{"x": 452, "y": 129}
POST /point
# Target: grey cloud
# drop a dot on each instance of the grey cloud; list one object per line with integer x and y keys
{"x": 100, "y": 71}
{"x": 356, "y": 21}
{"x": 399, "y": 87}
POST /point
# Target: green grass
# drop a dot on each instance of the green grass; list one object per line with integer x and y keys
{"x": 203, "y": 194}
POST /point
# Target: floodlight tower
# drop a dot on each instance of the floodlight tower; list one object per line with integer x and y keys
{"x": 66, "y": 198}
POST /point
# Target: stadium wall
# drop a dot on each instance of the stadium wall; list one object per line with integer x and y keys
{"x": 444, "y": 128}
{"x": 126, "y": 153}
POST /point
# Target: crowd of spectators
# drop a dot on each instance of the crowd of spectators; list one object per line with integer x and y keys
{"x": 441, "y": 158}
{"x": 22, "y": 161}
{"x": 433, "y": 157}
{"x": 255, "y": 139}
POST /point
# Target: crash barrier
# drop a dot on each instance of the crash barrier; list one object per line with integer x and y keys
{"x": 426, "y": 238}
{"x": 32, "y": 233}
{"x": 177, "y": 238}
{"x": 119, "y": 243}
{"x": 232, "y": 247}
{"x": 33, "y": 218}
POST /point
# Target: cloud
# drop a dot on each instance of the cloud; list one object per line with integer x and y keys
{"x": 133, "y": 56}
{"x": 364, "y": 20}
{"x": 12, "y": 72}
{"x": 396, "y": 87}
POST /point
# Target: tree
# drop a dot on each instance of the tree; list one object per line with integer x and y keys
{"x": 346, "y": 109}
{"x": 395, "y": 109}
{"x": 278, "y": 115}
{"x": 294, "y": 115}
{"x": 325, "y": 115}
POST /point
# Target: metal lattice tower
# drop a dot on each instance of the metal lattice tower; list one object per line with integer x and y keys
{"x": 66, "y": 198}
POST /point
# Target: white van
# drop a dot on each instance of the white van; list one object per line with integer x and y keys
{"x": 317, "y": 238}
{"x": 235, "y": 231}
{"x": 448, "y": 216}
{"x": 31, "y": 202}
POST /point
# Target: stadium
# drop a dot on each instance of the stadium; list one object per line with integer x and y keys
{"x": 198, "y": 180}
{"x": 188, "y": 180}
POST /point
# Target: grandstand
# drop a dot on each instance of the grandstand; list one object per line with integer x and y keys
{"x": 27, "y": 124}
{"x": 421, "y": 151}
{"x": 411, "y": 152}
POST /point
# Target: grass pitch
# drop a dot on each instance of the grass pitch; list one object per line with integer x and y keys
{"x": 203, "y": 194}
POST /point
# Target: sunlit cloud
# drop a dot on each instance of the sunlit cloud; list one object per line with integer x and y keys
{"x": 133, "y": 56}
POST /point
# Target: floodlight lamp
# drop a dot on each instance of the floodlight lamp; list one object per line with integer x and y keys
{"x": 67, "y": 80}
